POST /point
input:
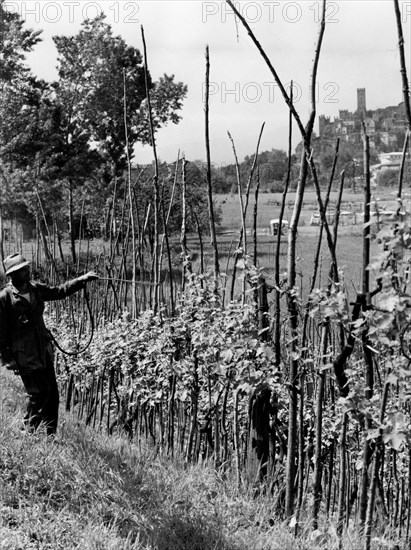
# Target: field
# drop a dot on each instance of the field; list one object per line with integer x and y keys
{"x": 349, "y": 238}
{"x": 349, "y": 235}
{"x": 269, "y": 207}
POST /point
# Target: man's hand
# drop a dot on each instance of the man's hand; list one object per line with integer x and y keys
{"x": 12, "y": 365}
{"x": 90, "y": 276}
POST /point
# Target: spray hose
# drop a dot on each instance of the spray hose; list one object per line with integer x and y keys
{"x": 87, "y": 345}
{"x": 87, "y": 299}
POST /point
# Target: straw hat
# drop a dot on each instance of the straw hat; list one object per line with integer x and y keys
{"x": 14, "y": 263}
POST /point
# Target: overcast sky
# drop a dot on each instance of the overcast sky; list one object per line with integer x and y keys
{"x": 359, "y": 51}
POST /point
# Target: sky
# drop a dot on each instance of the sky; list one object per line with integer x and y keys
{"x": 359, "y": 50}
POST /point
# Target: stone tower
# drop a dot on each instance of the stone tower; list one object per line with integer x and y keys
{"x": 361, "y": 105}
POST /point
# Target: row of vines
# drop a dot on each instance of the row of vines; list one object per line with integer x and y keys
{"x": 205, "y": 384}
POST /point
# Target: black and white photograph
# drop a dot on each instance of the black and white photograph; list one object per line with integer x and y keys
{"x": 205, "y": 275}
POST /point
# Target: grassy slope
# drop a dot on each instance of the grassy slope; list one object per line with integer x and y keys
{"x": 88, "y": 491}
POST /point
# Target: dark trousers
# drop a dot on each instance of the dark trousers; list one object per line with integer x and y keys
{"x": 43, "y": 398}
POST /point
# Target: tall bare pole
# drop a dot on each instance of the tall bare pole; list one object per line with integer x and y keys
{"x": 130, "y": 198}
{"x": 369, "y": 368}
{"x": 405, "y": 83}
{"x": 367, "y": 216}
{"x": 277, "y": 307}
{"x": 405, "y": 90}
{"x": 403, "y": 161}
{"x": 243, "y": 244}
{"x": 166, "y": 219}
{"x": 291, "y": 466}
{"x": 156, "y": 278}
{"x": 240, "y": 197}
{"x": 208, "y": 171}
{"x": 244, "y": 207}
{"x": 183, "y": 232}
{"x": 306, "y": 158}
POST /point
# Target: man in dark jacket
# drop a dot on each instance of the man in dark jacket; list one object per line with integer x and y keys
{"x": 25, "y": 343}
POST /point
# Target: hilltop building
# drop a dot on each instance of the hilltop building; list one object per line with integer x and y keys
{"x": 385, "y": 126}
{"x": 361, "y": 102}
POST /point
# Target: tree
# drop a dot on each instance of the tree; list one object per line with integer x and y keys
{"x": 20, "y": 91}
{"x": 166, "y": 98}
{"x": 272, "y": 165}
{"x": 15, "y": 43}
{"x": 196, "y": 197}
{"x": 94, "y": 65}
{"x": 388, "y": 178}
{"x": 42, "y": 156}
{"x": 218, "y": 176}
{"x": 20, "y": 96}
{"x": 197, "y": 210}
{"x": 61, "y": 142}
{"x": 100, "y": 77}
